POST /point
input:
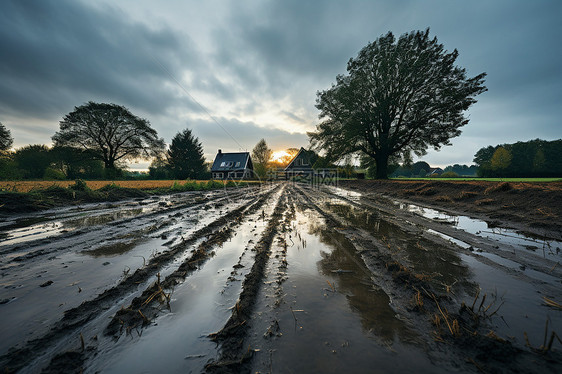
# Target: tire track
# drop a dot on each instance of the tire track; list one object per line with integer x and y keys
{"x": 73, "y": 319}
{"x": 231, "y": 337}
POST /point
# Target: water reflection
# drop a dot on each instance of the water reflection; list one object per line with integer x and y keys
{"x": 100, "y": 219}
{"x": 112, "y": 250}
{"x": 354, "y": 281}
{"x": 441, "y": 265}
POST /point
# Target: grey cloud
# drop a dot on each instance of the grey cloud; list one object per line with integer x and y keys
{"x": 271, "y": 57}
{"x": 246, "y": 134}
{"x": 57, "y": 54}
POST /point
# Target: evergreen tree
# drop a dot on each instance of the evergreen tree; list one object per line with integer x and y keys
{"x": 5, "y": 138}
{"x": 185, "y": 156}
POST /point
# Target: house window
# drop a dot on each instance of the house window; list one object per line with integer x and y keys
{"x": 223, "y": 164}
{"x": 238, "y": 164}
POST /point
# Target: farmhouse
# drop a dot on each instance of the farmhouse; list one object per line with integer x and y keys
{"x": 236, "y": 165}
{"x": 301, "y": 164}
{"x": 435, "y": 172}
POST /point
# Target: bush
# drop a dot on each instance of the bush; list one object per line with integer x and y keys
{"x": 54, "y": 174}
{"x": 449, "y": 174}
{"x": 79, "y": 185}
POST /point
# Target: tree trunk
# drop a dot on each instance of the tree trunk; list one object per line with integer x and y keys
{"x": 382, "y": 166}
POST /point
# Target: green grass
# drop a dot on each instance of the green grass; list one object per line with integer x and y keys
{"x": 484, "y": 179}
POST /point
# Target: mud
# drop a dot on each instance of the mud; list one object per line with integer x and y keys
{"x": 283, "y": 278}
{"x": 531, "y": 207}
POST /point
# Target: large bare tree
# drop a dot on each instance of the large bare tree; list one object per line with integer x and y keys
{"x": 109, "y": 132}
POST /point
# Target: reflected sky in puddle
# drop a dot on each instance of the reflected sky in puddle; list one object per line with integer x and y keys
{"x": 421, "y": 255}
{"x": 545, "y": 248}
{"x": 523, "y": 309}
{"x": 200, "y": 306}
{"x": 344, "y": 322}
{"x": 112, "y": 250}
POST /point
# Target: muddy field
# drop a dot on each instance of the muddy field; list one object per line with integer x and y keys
{"x": 284, "y": 278}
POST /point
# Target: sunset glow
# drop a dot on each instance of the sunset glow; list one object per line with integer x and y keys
{"x": 278, "y": 156}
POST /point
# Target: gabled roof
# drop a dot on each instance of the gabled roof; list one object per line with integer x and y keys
{"x": 302, "y": 154}
{"x": 232, "y": 161}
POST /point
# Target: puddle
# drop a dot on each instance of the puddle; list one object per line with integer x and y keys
{"x": 546, "y": 248}
{"x": 323, "y": 313}
{"x": 347, "y": 194}
{"x": 33, "y": 232}
{"x": 523, "y": 309}
{"x": 111, "y": 250}
{"x": 83, "y": 266}
{"x": 201, "y": 305}
{"x": 458, "y": 242}
{"x": 423, "y": 256}
{"x": 517, "y": 267}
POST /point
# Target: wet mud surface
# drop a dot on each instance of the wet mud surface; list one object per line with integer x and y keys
{"x": 280, "y": 278}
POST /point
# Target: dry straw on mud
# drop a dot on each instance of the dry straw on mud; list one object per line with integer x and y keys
{"x": 552, "y": 303}
{"x": 545, "y": 347}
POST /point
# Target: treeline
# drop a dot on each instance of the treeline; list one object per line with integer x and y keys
{"x": 183, "y": 160}
{"x": 38, "y": 161}
{"x": 95, "y": 141}
{"x": 531, "y": 159}
{"x": 422, "y": 169}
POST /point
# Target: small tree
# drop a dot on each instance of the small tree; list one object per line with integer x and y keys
{"x": 501, "y": 160}
{"x": 110, "y": 132}
{"x": 400, "y": 96}
{"x": 159, "y": 169}
{"x": 6, "y": 140}
{"x": 76, "y": 163}
{"x": 539, "y": 162}
{"x": 261, "y": 154}
{"x": 33, "y": 160}
{"x": 185, "y": 156}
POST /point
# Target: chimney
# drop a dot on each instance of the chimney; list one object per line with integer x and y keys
{"x": 220, "y": 151}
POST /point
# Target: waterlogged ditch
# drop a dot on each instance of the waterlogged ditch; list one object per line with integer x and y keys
{"x": 282, "y": 278}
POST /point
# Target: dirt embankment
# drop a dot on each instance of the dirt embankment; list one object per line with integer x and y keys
{"x": 532, "y": 207}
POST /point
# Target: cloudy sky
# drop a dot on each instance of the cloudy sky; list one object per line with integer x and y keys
{"x": 255, "y": 66}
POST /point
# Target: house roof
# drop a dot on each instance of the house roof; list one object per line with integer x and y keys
{"x": 435, "y": 171}
{"x": 232, "y": 161}
{"x": 302, "y": 154}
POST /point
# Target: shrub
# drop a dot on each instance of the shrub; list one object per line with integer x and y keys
{"x": 449, "y": 174}
{"x": 53, "y": 174}
{"x": 79, "y": 185}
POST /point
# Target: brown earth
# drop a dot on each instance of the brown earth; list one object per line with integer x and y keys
{"x": 535, "y": 208}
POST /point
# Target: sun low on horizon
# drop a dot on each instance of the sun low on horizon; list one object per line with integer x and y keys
{"x": 283, "y": 156}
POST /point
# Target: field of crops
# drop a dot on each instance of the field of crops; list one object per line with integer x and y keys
{"x": 27, "y": 186}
